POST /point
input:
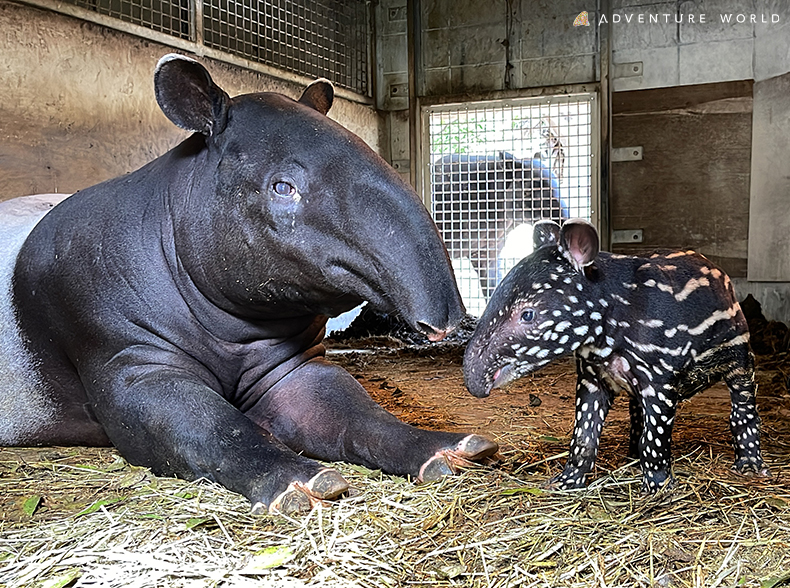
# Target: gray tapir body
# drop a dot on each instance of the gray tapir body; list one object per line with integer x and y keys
{"x": 478, "y": 199}
{"x": 178, "y": 312}
{"x": 660, "y": 328}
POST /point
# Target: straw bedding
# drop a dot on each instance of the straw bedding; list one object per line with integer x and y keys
{"x": 84, "y": 517}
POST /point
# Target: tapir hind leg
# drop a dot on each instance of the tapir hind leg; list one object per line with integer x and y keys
{"x": 321, "y": 411}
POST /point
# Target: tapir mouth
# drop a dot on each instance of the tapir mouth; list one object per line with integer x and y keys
{"x": 481, "y": 387}
{"x": 503, "y": 376}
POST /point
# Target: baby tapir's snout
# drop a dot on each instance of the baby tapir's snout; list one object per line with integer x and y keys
{"x": 660, "y": 328}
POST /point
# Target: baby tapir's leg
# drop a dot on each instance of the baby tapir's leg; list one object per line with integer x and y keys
{"x": 321, "y": 411}
{"x": 593, "y": 401}
{"x": 744, "y": 421}
{"x": 637, "y": 425}
{"x": 659, "y": 406}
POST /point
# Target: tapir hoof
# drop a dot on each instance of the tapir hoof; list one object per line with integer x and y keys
{"x": 566, "y": 480}
{"x": 302, "y": 497}
{"x": 655, "y": 480}
{"x": 746, "y": 467}
{"x": 446, "y": 462}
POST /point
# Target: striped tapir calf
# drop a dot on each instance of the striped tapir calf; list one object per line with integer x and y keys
{"x": 661, "y": 328}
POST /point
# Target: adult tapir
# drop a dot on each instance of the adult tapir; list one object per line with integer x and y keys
{"x": 177, "y": 312}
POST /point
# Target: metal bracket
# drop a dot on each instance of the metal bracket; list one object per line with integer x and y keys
{"x": 627, "y": 154}
{"x": 627, "y": 236}
{"x": 627, "y": 70}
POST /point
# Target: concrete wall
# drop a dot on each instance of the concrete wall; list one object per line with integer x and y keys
{"x": 713, "y": 170}
{"x": 770, "y": 180}
{"x": 689, "y": 188}
{"x": 78, "y": 104}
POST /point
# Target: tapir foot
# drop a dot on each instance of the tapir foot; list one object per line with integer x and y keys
{"x": 570, "y": 478}
{"x": 746, "y": 467}
{"x": 302, "y": 497}
{"x": 446, "y": 462}
{"x": 655, "y": 480}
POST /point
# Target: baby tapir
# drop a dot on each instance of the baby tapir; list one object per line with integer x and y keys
{"x": 661, "y": 328}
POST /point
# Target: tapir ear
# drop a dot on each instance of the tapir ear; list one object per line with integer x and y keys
{"x": 579, "y": 243}
{"x": 545, "y": 232}
{"x": 189, "y": 97}
{"x": 319, "y": 95}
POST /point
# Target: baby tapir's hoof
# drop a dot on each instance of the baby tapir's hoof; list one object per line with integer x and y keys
{"x": 446, "y": 462}
{"x": 751, "y": 467}
{"x": 566, "y": 480}
{"x": 303, "y": 497}
{"x": 655, "y": 480}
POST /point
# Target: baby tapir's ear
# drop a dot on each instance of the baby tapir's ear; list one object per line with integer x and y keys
{"x": 579, "y": 243}
{"x": 545, "y": 232}
{"x": 319, "y": 95}
{"x": 189, "y": 97}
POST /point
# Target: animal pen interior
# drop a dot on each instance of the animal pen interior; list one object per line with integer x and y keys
{"x": 664, "y": 124}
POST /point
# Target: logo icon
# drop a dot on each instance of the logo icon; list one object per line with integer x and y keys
{"x": 582, "y": 20}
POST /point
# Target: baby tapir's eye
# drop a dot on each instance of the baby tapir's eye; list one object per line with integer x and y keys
{"x": 528, "y": 315}
{"x": 283, "y": 189}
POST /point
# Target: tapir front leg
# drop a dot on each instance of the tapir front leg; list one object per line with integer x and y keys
{"x": 593, "y": 401}
{"x": 173, "y": 422}
{"x": 320, "y": 410}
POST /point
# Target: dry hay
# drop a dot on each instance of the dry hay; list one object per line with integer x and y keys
{"x": 84, "y": 517}
{"x": 103, "y": 522}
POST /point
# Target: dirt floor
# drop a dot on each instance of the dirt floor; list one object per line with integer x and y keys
{"x": 532, "y": 418}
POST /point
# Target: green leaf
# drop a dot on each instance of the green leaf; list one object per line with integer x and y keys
{"x": 368, "y": 473}
{"x": 62, "y": 579}
{"x": 266, "y": 559}
{"x": 133, "y": 478}
{"x": 777, "y": 502}
{"x": 196, "y": 522}
{"x": 775, "y": 581}
{"x": 31, "y": 504}
{"x": 450, "y": 572}
{"x": 549, "y": 439}
{"x": 523, "y": 490}
{"x": 97, "y": 505}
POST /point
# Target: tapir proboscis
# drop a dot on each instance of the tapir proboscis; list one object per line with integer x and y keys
{"x": 178, "y": 312}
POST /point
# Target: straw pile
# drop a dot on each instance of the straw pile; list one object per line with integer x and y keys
{"x": 99, "y": 521}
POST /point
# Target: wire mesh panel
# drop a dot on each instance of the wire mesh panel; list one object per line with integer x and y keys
{"x": 317, "y": 39}
{"x": 166, "y": 16}
{"x": 496, "y": 168}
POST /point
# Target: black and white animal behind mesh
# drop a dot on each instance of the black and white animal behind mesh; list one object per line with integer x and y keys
{"x": 660, "y": 328}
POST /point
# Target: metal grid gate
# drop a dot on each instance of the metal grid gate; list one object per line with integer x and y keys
{"x": 314, "y": 38}
{"x": 494, "y": 168}
{"x": 307, "y": 37}
{"x": 172, "y": 17}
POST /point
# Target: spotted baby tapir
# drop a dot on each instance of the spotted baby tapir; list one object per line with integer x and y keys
{"x": 661, "y": 328}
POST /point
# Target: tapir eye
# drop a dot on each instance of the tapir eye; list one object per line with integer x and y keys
{"x": 528, "y": 315}
{"x": 284, "y": 189}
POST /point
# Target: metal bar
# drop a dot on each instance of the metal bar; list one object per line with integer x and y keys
{"x": 604, "y": 217}
{"x": 197, "y": 21}
{"x": 414, "y": 36}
